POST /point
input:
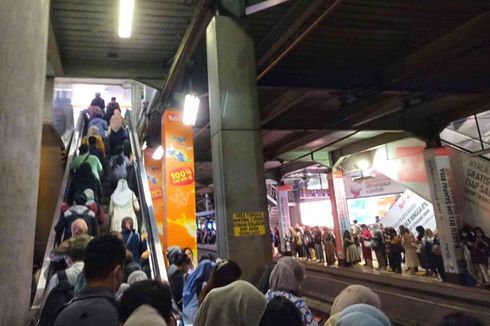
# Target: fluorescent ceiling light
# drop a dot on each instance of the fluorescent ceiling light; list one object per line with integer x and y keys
{"x": 126, "y": 10}
{"x": 191, "y": 105}
{"x": 158, "y": 154}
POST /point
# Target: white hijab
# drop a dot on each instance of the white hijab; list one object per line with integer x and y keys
{"x": 145, "y": 316}
{"x": 122, "y": 195}
{"x": 90, "y": 196}
{"x": 237, "y": 304}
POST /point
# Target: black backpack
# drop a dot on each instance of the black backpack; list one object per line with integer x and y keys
{"x": 59, "y": 296}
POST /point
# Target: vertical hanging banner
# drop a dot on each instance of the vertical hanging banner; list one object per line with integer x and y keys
{"x": 179, "y": 191}
{"x": 155, "y": 181}
{"x": 441, "y": 187}
{"x": 339, "y": 209}
{"x": 284, "y": 218}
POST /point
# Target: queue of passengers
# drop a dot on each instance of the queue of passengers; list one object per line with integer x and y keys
{"x": 211, "y": 294}
{"x": 391, "y": 248}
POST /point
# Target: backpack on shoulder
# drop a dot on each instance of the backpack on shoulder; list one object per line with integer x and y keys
{"x": 59, "y": 296}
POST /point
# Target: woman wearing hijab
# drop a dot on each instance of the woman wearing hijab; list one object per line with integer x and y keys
{"x": 352, "y": 256}
{"x": 193, "y": 286}
{"x": 329, "y": 243}
{"x": 85, "y": 179}
{"x": 93, "y": 206}
{"x": 351, "y": 295}
{"x": 237, "y": 304}
{"x": 285, "y": 281}
{"x": 408, "y": 243}
{"x": 123, "y": 204}
{"x": 363, "y": 315}
{"x": 225, "y": 272}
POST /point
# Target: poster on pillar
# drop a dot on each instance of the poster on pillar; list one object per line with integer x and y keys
{"x": 284, "y": 218}
{"x": 410, "y": 210}
{"x": 179, "y": 191}
{"x": 441, "y": 187}
{"x": 153, "y": 170}
{"x": 339, "y": 209}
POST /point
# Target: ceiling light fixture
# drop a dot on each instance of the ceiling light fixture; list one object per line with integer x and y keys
{"x": 191, "y": 106}
{"x": 158, "y": 154}
{"x": 126, "y": 11}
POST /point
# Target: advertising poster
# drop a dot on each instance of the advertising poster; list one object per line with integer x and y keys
{"x": 284, "y": 218}
{"x": 155, "y": 181}
{"x": 179, "y": 191}
{"x": 441, "y": 187}
{"x": 410, "y": 210}
{"x": 364, "y": 210}
{"x": 377, "y": 185}
{"x": 339, "y": 209}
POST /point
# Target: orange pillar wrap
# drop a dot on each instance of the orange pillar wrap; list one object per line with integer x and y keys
{"x": 155, "y": 180}
{"x": 179, "y": 190}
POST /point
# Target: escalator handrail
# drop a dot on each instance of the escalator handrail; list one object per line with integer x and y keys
{"x": 45, "y": 273}
{"x": 157, "y": 262}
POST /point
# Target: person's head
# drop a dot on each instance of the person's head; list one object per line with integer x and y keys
{"x": 77, "y": 247}
{"x": 172, "y": 252}
{"x": 104, "y": 262}
{"x": 280, "y": 311}
{"x": 113, "y": 99}
{"x": 149, "y": 292}
{"x": 362, "y": 314}
{"x": 79, "y": 226}
{"x": 89, "y": 193}
{"x": 460, "y": 319}
{"x": 97, "y": 94}
{"x": 346, "y": 234}
{"x": 364, "y": 227}
{"x": 428, "y": 233}
{"x": 376, "y": 219}
{"x": 130, "y": 267}
{"x": 354, "y": 294}
{"x": 92, "y": 141}
{"x": 355, "y": 222}
{"x": 85, "y": 171}
{"x": 420, "y": 230}
{"x": 83, "y": 149}
{"x": 238, "y": 303}
{"x": 225, "y": 272}
{"x": 189, "y": 253}
{"x": 117, "y": 112}
{"x": 119, "y": 150}
{"x": 127, "y": 224}
{"x": 137, "y": 276}
{"x": 79, "y": 198}
{"x": 287, "y": 275}
{"x": 182, "y": 262}
{"x": 93, "y": 131}
{"x": 479, "y": 232}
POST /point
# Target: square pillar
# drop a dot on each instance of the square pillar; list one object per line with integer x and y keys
{"x": 238, "y": 163}
{"x": 441, "y": 185}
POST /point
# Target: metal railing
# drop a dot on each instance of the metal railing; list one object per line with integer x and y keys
{"x": 45, "y": 274}
{"x": 157, "y": 262}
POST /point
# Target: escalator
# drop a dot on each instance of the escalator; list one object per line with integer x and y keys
{"x": 148, "y": 222}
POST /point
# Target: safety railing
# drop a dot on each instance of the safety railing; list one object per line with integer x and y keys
{"x": 157, "y": 262}
{"x": 45, "y": 274}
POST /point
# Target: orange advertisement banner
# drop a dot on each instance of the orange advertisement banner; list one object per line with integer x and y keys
{"x": 179, "y": 190}
{"x": 155, "y": 181}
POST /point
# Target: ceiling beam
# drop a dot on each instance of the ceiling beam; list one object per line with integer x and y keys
{"x": 465, "y": 38}
{"x": 263, "y": 5}
{"x": 54, "y": 53}
{"x": 193, "y": 34}
{"x": 293, "y": 141}
{"x": 366, "y": 144}
{"x": 118, "y": 70}
{"x": 278, "y": 36}
{"x": 281, "y": 104}
{"x": 272, "y": 62}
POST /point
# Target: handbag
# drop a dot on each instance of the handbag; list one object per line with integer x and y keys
{"x": 367, "y": 243}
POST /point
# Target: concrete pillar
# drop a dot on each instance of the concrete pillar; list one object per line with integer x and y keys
{"x": 24, "y": 26}
{"x": 238, "y": 164}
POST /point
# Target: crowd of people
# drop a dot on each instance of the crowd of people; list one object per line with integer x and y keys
{"x": 388, "y": 248}
{"x": 114, "y": 292}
